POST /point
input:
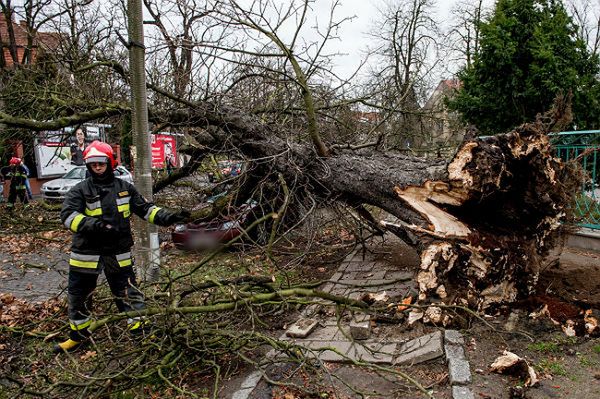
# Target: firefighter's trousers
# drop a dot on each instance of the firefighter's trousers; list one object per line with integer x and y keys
{"x": 121, "y": 281}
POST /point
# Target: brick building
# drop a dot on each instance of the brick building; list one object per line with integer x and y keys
{"x": 21, "y": 44}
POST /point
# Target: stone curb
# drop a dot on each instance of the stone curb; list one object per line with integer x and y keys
{"x": 458, "y": 365}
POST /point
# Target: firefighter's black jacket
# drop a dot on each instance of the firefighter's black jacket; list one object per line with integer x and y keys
{"x": 90, "y": 206}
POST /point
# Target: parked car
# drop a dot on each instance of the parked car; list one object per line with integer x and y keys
{"x": 226, "y": 169}
{"x": 207, "y": 235}
{"x": 56, "y": 190}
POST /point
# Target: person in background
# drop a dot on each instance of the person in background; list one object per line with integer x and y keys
{"x": 17, "y": 183}
{"x": 27, "y": 184}
{"x": 1, "y": 188}
{"x": 169, "y": 159}
{"x": 77, "y": 148}
{"x": 97, "y": 211}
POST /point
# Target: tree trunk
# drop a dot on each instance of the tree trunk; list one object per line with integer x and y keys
{"x": 483, "y": 222}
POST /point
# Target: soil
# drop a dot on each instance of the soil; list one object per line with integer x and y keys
{"x": 568, "y": 367}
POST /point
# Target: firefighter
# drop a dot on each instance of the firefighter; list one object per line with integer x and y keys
{"x": 98, "y": 212}
{"x": 18, "y": 176}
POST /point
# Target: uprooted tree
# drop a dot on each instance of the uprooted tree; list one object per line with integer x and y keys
{"x": 482, "y": 222}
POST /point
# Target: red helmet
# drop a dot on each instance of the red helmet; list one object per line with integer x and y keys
{"x": 15, "y": 161}
{"x": 100, "y": 152}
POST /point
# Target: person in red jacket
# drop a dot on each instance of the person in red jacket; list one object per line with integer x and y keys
{"x": 98, "y": 212}
{"x": 18, "y": 177}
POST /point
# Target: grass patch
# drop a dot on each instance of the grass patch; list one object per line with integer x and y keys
{"x": 544, "y": 347}
{"x": 553, "y": 367}
{"x": 596, "y": 349}
{"x": 586, "y": 362}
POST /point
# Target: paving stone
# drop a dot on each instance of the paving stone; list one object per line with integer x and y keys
{"x": 311, "y": 310}
{"x": 336, "y": 276}
{"x": 340, "y": 291}
{"x": 327, "y": 355}
{"x": 356, "y": 295}
{"x": 454, "y": 337}
{"x": 374, "y": 285}
{"x": 459, "y": 372}
{"x": 513, "y": 320}
{"x": 372, "y": 275}
{"x": 347, "y": 275}
{"x": 454, "y": 352}
{"x": 421, "y": 349}
{"x": 252, "y": 380}
{"x": 242, "y": 393}
{"x": 373, "y": 353}
{"x": 302, "y": 328}
{"x": 395, "y": 275}
{"x": 462, "y": 393}
{"x": 327, "y": 333}
{"x": 360, "y": 329}
{"x": 350, "y": 256}
{"x": 327, "y": 287}
{"x": 360, "y": 266}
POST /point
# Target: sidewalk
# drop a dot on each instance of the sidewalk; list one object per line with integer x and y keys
{"x": 337, "y": 338}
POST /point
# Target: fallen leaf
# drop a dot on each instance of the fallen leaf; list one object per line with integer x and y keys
{"x": 405, "y": 301}
{"x": 88, "y": 355}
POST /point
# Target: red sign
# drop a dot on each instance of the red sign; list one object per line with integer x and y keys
{"x": 164, "y": 151}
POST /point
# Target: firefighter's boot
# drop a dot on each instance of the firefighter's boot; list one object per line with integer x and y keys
{"x": 67, "y": 346}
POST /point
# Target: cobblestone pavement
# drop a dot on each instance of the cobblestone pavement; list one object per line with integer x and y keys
{"x": 344, "y": 338}
{"x": 332, "y": 338}
{"x": 34, "y": 276}
{"x": 359, "y": 275}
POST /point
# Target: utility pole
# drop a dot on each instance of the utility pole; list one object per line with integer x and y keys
{"x": 148, "y": 250}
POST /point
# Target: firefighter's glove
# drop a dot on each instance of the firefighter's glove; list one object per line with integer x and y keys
{"x": 178, "y": 217}
{"x": 103, "y": 227}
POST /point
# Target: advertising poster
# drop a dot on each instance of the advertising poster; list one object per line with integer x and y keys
{"x": 164, "y": 151}
{"x": 59, "y": 151}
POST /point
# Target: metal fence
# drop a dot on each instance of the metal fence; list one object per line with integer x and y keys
{"x": 570, "y": 145}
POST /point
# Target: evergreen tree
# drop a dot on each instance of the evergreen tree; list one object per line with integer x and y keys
{"x": 529, "y": 53}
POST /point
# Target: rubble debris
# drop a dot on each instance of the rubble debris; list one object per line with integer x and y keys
{"x": 360, "y": 328}
{"x": 302, "y": 328}
{"x": 511, "y": 364}
{"x": 592, "y": 322}
{"x": 421, "y": 349}
{"x": 372, "y": 298}
{"x": 572, "y": 320}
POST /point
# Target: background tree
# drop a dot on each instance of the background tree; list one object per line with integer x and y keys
{"x": 464, "y": 33}
{"x": 529, "y": 52}
{"x": 407, "y": 44}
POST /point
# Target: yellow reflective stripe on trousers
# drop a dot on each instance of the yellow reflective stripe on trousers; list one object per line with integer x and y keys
{"x": 135, "y": 322}
{"x": 124, "y": 259}
{"x": 84, "y": 261}
{"x": 80, "y": 326}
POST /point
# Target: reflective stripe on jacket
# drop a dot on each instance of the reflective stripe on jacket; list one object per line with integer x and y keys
{"x": 89, "y": 206}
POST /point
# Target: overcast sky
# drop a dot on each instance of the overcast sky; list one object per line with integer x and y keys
{"x": 353, "y": 37}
